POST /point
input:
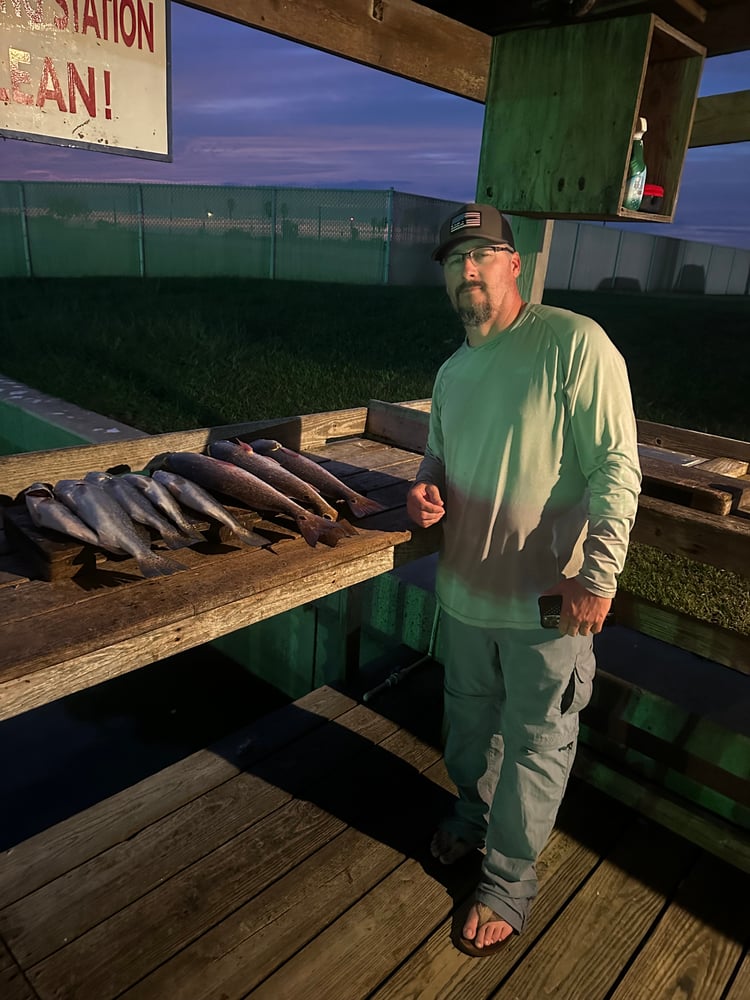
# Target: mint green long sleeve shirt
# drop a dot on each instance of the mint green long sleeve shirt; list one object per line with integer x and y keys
{"x": 532, "y": 443}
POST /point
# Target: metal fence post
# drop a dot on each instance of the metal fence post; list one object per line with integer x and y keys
{"x": 388, "y": 238}
{"x": 272, "y": 262}
{"x": 25, "y": 230}
{"x": 141, "y": 235}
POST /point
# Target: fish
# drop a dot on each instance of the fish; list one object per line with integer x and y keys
{"x": 317, "y": 476}
{"x": 242, "y": 454}
{"x": 140, "y": 508}
{"x": 47, "y": 512}
{"x": 231, "y": 480}
{"x": 192, "y": 495}
{"x": 114, "y": 529}
{"x": 163, "y": 500}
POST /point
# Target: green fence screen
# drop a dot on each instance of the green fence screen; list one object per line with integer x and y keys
{"x": 50, "y": 229}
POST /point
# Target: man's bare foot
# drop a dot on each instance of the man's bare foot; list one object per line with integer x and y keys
{"x": 484, "y": 928}
{"x": 449, "y": 848}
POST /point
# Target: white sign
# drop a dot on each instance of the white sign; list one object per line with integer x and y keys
{"x": 91, "y": 73}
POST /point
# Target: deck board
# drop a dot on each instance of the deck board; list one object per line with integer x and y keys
{"x": 50, "y": 854}
{"x": 698, "y": 943}
{"x": 291, "y": 859}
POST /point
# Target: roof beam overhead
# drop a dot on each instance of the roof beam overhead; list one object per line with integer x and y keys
{"x": 412, "y": 41}
{"x": 721, "y": 119}
{"x": 397, "y": 36}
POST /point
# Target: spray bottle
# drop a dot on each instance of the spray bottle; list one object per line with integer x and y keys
{"x": 637, "y": 170}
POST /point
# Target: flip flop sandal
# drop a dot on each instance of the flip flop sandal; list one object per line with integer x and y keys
{"x": 486, "y": 916}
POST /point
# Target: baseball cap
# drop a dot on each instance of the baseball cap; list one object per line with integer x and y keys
{"x": 473, "y": 221}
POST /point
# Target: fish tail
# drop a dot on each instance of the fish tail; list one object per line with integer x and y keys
{"x": 152, "y": 564}
{"x": 176, "y": 540}
{"x": 361, "y": 506}
{"x": 315, "y": 528}
{"x": 250, "y": 537}
{"x": 311, "y": 526}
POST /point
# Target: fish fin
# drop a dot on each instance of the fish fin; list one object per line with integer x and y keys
{"x": 250, "y": 537}
{"x": 310, "y": 529}
{"x": 152, "y": 564}
{"x": 328, "y": 532}
{"x": 176, "y": 540}
{"x": 362, "y": 506}
{"x": 118, "y": 470}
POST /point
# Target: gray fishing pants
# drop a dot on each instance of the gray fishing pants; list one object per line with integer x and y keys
{"x": 512, "y": 698}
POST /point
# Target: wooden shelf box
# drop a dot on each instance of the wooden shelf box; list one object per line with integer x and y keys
{"x": 561, "y": 108}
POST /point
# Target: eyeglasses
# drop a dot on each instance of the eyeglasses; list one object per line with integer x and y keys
{"x": 480, "y": 256}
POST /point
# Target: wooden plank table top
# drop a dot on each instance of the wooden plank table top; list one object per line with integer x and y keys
{"x": 61, "y": 636}
{"x": 291, "y": 859}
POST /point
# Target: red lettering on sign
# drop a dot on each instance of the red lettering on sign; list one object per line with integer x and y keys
{"x": 18, "y": 76}
{"x": 75, "y": 85}
{"x": 34, "y": 14}
{"x": 107, "y": 94}
{"x": 47, "y": 93}
{"x": 62, "y": 22}
{"x": 146, "y": 27}
{"x": 128, "y": 36}
{"x": 90, "y": 18}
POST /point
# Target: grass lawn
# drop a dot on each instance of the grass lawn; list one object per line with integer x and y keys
{"x": 174, "y": 354}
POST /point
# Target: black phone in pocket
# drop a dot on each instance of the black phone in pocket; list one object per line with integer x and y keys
{"x": 550, "y": 606}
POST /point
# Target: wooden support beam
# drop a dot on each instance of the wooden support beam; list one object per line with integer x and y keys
{"x": 399, "y": 37}
{"x": 721, "y": 119}
{"x": 709, "y": 538}
{"x": 694, "y": 442}
{"x": 412, "y": 41}
{"x": 303, "y": 433}
{"x": 722, "y": 645}
{"x": 698, "y": 750}
{"x": 713, "y": 834}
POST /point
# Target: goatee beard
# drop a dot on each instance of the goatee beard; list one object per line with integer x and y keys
{"x": 475, "y": 315}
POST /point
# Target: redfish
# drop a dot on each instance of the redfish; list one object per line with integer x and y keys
{"x": 317, "y": 476}
{"x": 275, "y": 475}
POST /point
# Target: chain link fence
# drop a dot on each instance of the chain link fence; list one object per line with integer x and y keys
{"x": 51, "y": 229}
{"x": 159, "y": 230}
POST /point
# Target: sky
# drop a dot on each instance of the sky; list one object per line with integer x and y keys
{"x": 249, "y": 108}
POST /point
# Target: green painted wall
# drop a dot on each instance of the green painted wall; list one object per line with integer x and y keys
{"x": 24, "y": 431}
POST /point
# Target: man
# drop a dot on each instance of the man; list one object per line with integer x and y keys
{"x": 532, "y": 464}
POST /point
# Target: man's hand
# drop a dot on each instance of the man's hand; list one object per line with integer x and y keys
{"x": 424, "y": 505}
{"x": 582, "y": 612}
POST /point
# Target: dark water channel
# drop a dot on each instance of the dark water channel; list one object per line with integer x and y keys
{"x": 68, "y": 755}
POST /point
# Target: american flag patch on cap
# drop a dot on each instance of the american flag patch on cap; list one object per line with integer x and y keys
{"x": 465, "y": 220}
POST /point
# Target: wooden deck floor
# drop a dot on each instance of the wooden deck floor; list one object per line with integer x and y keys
{"x": 290, "y": 861}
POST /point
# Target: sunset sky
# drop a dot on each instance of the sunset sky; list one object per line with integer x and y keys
{"x": 250, "y": 108}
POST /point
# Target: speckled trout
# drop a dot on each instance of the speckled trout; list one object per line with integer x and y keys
{"x": 114, "y": 529}
{"x": 140, "y": 508}
{"x": 196, "y": 498}
{"x": 223, "y": 477}
{"x": 47, "y": 512}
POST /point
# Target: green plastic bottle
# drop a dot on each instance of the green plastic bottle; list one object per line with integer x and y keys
{"x": 637, "y": 170}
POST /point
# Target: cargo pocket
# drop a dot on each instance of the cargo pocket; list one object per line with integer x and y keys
{"x": 578, "y": 693}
